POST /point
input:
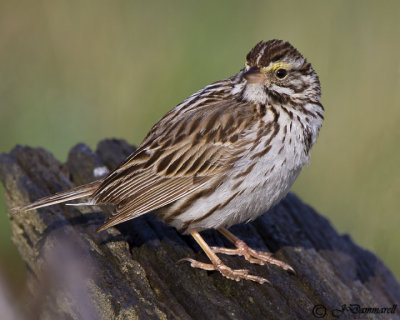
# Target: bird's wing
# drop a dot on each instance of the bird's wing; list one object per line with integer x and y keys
{"x": 183, "y": 152}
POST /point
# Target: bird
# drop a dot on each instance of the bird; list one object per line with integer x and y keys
{"x": 225, "y": 155}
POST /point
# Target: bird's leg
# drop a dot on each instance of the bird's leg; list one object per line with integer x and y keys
{"x": 251, "y": 255}
{"x": 218, "y": 265}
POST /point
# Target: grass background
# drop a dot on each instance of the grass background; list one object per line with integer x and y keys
{"x": 80, "y": 71}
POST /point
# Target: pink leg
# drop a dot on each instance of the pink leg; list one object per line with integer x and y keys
{"x": 251, "y": 255}
{"x": 218, "y": 265}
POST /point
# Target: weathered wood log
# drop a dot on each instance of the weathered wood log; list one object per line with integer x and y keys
{"x": 132, "y": 271}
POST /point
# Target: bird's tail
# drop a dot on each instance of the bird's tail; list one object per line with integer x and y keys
{"x": 72, "y": 194}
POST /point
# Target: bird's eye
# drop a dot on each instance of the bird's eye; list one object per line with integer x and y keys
{"x": 281, "y": 73}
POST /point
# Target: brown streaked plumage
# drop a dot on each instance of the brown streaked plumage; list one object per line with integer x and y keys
{"x": 223, "y": 156}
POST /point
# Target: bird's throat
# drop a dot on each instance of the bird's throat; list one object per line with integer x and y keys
{"x": 255, "y": 92}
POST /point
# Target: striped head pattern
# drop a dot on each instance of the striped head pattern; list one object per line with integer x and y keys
{"x": 277, "y": 73}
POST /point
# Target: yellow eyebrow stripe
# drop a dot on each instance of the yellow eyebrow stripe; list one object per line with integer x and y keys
{"x": 276, "y": 66}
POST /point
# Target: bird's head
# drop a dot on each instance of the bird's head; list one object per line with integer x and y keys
{"x": 276, "y": 72}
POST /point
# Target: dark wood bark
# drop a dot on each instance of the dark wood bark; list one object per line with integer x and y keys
{"x": 132, "y": 271}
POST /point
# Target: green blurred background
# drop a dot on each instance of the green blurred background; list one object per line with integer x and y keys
{"x": 81, "y": 71}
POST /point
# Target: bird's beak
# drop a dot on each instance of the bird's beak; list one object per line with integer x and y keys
{"x": 254, "y": 75}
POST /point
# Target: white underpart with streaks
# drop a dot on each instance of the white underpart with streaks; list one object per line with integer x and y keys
{"x": 279, "y": 169}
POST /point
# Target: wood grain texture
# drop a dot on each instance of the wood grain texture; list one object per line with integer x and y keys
{"x": 132, "y": 271}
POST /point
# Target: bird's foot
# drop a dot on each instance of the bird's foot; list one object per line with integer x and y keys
{"x": 226, "y": 271}
{"x": 251, "y": 255}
